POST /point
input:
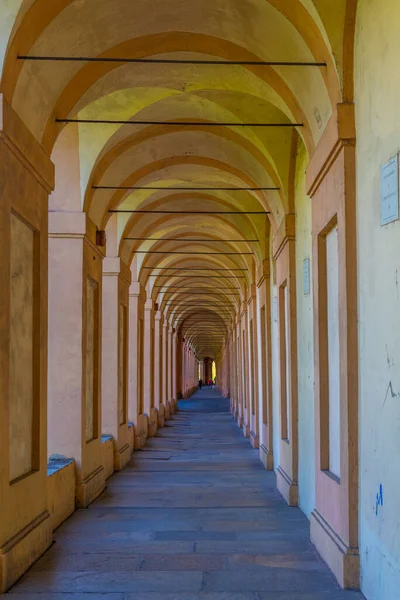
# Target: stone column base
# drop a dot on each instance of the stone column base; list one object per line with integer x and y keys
{"x": 141, "y": 431}
{"x": 161, "y": 416}
{"x": 122, "y": 457}
{"x": 267, "y": 458}
{"x": 288, "y": 488}
{"x": 246, "y": 429}
{"x": 167, "y": 414}
{"x": 254, "y": 440}
{"x": 23, "y": 549}
{"x": 131, "y": 436}
{"x": 343, "y": 561}
{"x": 152, "y": 422}
{"x": 90, "y": 488}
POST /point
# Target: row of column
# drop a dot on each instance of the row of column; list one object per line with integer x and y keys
{"x": 190, "y": 371}
{"x": 112, "y": 355}
{"x": 260, "y": 367}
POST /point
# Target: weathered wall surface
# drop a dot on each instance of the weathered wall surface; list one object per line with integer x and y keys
{"x": 22, "y": 322}
{"x": 377, "y": 92}
{"x": 305, "y": 342}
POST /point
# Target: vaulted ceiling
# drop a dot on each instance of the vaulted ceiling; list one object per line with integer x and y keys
{"x": 185, "y": 143}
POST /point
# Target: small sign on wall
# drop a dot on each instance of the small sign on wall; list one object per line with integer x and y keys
{"x": 275, "y": 308}
{"x": 390, "y": 191}
{"x": 306, "y": 276}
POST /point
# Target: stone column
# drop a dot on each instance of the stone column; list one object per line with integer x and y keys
{"x": 164, "y": 369}
{"x": 169, "y": 368}
{"x": 116, "y": 281}
{"x": 239, "y": 370}
{"x": 148, "y": 373}
{"x": 285, "y": 257}
{"x": 74, "y": 370}
{"x": 244, "y": 333}
{"x": 175, "y": 369}
{"x": 27, "y": 178}
{"x": 331, "y": 182}
{"x": 179, "y": 392}
{"x": 252, "y": 325}
{"x": 188, "y": 373}
{"x": 184, "y": 370}
{"x": 137, "y": 296}
{"x": 158, "y": 368}
{"x": 265, "y": 364}
{"x": 233, "y": 375}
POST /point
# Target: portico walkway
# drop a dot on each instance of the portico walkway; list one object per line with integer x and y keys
{"x": 193, "y": 516}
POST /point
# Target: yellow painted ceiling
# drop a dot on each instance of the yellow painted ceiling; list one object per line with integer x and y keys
{"x": 179, "y": 155}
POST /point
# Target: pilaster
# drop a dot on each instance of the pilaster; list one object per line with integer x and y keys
{"x": 285, "y": 256}
{"x": 116, "y": 281}
{"x": 158, "y": 323}
{"x": 137, "y": 298}
{"x": 27, "y": 177}
{"x": 165, "y": 369}
{"x": 331, "y": 185}
{"x": 148, "y": 371}
{"x": 252, "y": 325}
{"x": 265, "y": 364}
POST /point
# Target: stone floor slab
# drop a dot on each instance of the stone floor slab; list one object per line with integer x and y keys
{"x": 194, "y": 516}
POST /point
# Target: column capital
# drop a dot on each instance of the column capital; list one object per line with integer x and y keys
{"x": 149, "y": 305}
{"x": 286, "y": 232}
{"x": 340, "y": 132}
{"x": 136, "y": 290}
{"x": 15, "y": 135}
{"x": 252, "y": 294}
{"x": 111, "y": 266}
{"x": 67, "y": 224}
{"x": 263, "y": 272}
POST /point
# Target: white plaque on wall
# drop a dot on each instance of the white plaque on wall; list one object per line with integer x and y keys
{"x": 275, "y": 308}
{"x": 306, "y": 276}
{"x": 390, "y": 191}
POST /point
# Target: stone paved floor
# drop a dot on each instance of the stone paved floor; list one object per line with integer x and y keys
{"x": 194, "y": 516}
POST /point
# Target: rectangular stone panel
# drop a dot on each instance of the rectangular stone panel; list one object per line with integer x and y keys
{"x": 332, "y": 279}
{"x": 22, "y": 346}
{"x": 287, "y": 361}
{"x": 284, "y": 318}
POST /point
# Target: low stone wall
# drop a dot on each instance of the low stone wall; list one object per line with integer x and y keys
{"x": 107, "y": 454}
{"x": 131, "y": 435}
{"x": 61, "y": 479}
{"x": 61, "y": 482}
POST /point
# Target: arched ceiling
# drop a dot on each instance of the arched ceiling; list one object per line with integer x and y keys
{"x": 207, "y": 254}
